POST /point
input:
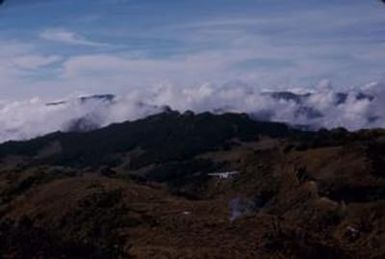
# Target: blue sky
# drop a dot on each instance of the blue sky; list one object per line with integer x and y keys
{"x": 53, "y": 48}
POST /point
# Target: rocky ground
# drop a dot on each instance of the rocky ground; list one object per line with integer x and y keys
{"x": 157, "y": 188}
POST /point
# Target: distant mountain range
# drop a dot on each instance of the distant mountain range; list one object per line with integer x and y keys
{"x": 324, "y": 108}
{"x": 340, "y": 97}
{"x": 303, "y": 109}
{"x": 309, "y": 112}
{"x": 106, "y": 98}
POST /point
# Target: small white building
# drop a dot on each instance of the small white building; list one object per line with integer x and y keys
{"x": 224, "y": 175}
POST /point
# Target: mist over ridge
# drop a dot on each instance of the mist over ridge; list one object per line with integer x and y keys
{"x": 321, "y": 107}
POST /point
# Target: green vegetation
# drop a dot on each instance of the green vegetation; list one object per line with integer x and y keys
{"x": 145, "y": 189}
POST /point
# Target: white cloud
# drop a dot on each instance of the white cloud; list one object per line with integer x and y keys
{"x": 31, "y": 118}
{"x": 121, "y": 69}
{"x": 211, "y": 50}
{"x": 35, "y": 61}
{"x": 68, "y": 37}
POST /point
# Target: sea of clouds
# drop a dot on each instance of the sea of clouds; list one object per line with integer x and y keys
{"x": 322, "y": 106}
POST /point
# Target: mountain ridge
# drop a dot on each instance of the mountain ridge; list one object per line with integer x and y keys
{"x": 160, "y": 186}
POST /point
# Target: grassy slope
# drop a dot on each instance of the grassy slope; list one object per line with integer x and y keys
{"x": 140, "y": 189}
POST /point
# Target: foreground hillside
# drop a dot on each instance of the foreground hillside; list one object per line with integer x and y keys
{"x": 194, "y": 186}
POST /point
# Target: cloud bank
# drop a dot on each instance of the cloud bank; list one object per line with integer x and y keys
{"x": 321, "y": 107}
{"x": 59, "y": 47}
{"x": 68, "y": 37}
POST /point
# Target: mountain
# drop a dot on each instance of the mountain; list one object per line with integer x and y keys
{"x": 106, "y": 98}
{"x": 164, "y": 136}
{"x": 303, "y": 110}
{"x": 186, "y": 185}
{"x": 339, "y": 97}
{"x": 288, "y": 96}
{"x": 302, "y": 101}
{"x": 322, "y": 108}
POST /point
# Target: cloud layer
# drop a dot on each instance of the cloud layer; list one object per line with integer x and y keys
{"x": 323, "y": 107}
{"x": 59, "y": 47}
{"x": 120, "y": 47}
{"x": 68, "y": 37}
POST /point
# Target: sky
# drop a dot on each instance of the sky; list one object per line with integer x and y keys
{"x": 56, "y": 48}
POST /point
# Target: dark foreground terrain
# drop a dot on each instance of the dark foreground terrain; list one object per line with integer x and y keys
{"x": 158, "y": 188}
